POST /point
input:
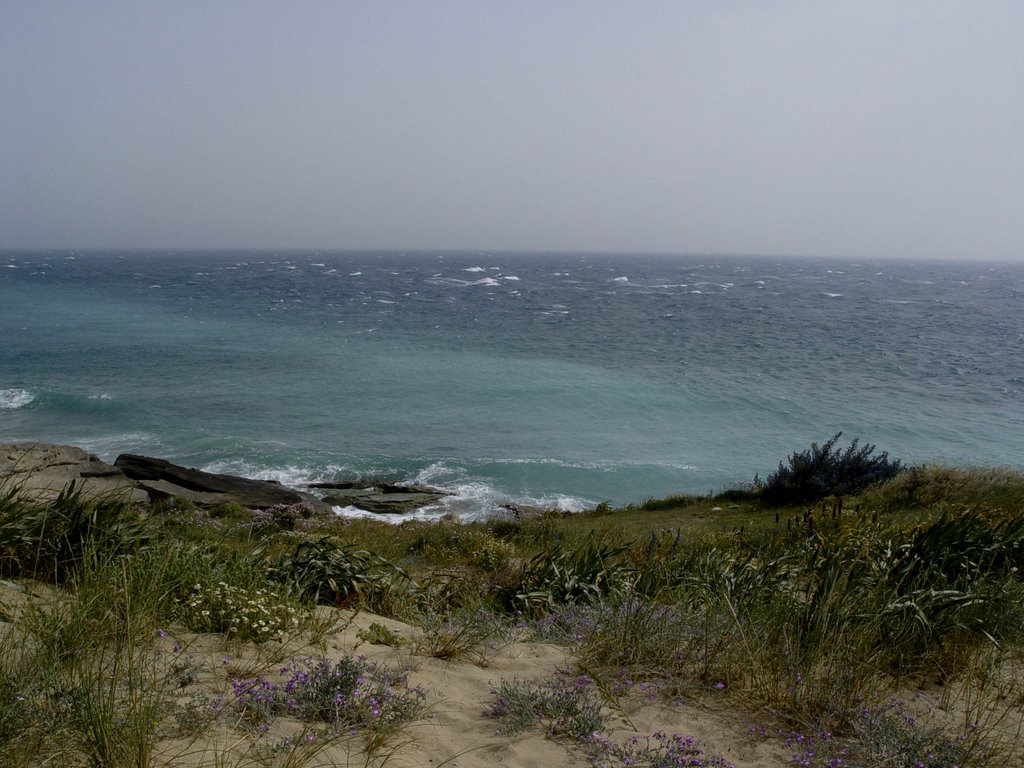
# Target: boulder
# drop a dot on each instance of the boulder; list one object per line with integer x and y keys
{"x": 161, "y": 479}
{"x": 43, "y": 470}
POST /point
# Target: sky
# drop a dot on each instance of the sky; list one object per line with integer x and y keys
{"x": 860, "y": 129}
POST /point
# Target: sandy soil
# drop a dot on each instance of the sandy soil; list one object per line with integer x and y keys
{"x": 454, "y": 732}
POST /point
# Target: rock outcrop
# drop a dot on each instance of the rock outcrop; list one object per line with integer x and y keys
{"x": 380, "y": 497}
{"x": 42, "y": 471}
{"x": 161, "y": 479}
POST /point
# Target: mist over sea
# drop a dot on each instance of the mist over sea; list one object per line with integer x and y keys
{"x": 558, "y": 380}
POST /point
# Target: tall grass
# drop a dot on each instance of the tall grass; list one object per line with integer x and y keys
{"x": 916, "y": 585}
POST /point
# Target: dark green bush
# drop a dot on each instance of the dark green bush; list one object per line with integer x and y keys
{"x": 824, "y": 471}
{"x": 557, "y": 577}
{"x": 330, "y": 572}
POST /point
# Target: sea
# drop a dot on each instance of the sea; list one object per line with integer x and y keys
{"x": 546, "y": 379}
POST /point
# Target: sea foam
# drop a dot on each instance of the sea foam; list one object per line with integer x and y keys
{"x": 14, "y": 398}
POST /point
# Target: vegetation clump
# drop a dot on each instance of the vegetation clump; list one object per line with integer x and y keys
{"x": 824, "y": 470}
{"x": 251, "y": 616}
{"x": 563, "y": 707}
{"x": 328, "y": 571}
{"x": 350, "y": 692}
{"x": 116, "y": 630}
{"x": 658, "y": 750}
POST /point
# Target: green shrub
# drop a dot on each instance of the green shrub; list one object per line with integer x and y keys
{"x": 492, "y": 554}
{"x": 824, "y": 471}
{"x": 327, "y": 571}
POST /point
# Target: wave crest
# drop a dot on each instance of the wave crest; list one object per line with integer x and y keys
{"x": 15, "y": 398}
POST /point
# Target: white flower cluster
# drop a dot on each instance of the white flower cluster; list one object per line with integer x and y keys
{"x": 253, "y": 616}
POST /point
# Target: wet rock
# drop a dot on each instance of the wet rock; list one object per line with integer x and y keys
{"x": 380, "y": 503}
{"x": 379, "y": 497}
{"x": 161, "y": 479}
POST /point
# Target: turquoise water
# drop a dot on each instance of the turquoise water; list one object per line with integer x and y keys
{"x": 556, "y": 379}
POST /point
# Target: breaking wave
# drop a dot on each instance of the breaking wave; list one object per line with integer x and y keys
{"x": 11, "y": 399}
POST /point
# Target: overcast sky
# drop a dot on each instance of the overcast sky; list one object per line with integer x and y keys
{"x": 821, "y": 128}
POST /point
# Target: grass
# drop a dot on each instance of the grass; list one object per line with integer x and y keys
{"x": 816, "y": 614}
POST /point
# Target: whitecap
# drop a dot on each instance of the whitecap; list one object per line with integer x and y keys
{"x": 622, "y": 279}
{"x": 474, "y": 269}
{"x": 486, "y": 281}
{"x": 357, "y": 512}
{"x": 354, "y": 274}
{"x": 290, "y": 476}
{"x": 14, "y": 398}
{"x": 832, "y": 295}
{"x": 509, "y": 277}
{"x": 470, "y": 499}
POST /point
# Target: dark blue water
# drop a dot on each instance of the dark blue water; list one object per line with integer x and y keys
{"x": 553, "y": 379}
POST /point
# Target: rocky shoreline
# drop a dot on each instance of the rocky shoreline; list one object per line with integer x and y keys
{"x": 43, "y": 470}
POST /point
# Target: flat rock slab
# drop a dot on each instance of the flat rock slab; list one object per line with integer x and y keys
{"x": 379, "y": 496}
{"x": 371, "y": 500}
{"x": 43, "y": 470}
{"x": 161, "y": 480}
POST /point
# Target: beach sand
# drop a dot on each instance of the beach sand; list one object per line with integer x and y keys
{"x": 454, "y": 731}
